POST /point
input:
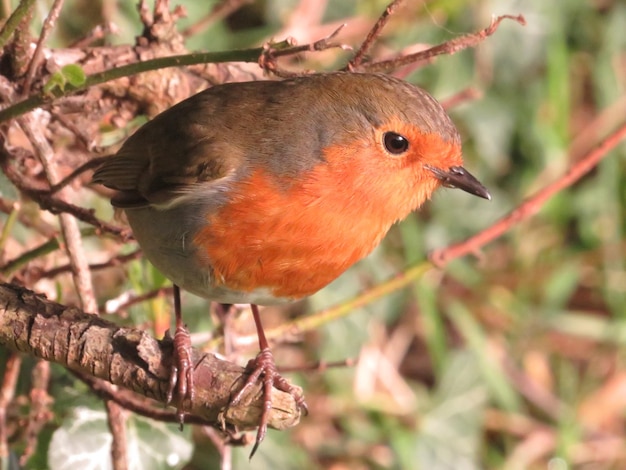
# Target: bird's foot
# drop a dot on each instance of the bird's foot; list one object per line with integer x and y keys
{"x": 181, "y": 384}
{"x": 264, "y": 367}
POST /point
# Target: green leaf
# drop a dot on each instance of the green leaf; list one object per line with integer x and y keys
{"x": 74, "y": 75}
{"x": 84, "y": 441}
{"x": 69, "y": 74}
{"x": 56, "y": 80}
{"x": 450, "y": 432}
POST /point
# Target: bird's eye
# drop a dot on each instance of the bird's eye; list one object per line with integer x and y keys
{"x": 395, "y": 143}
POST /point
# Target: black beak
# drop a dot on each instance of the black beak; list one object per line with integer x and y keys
{"x": 459, "y": 177}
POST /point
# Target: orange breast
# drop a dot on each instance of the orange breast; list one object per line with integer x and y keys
{"x": 293, "y": 242}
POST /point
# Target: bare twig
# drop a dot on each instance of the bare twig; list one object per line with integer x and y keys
{"x": 373, "y": 35}
{"x": 136, "y": 403}
{"x": 69, "y": 225}
{"x": 271, "y": 52}
{"x": 46, "y": 29}
{"x": 45, "y": 229}
{"x": 162, "y": 291}
{"x": 89, "y": 165}
{"x": 7, "y": 393}
{"x": 14, "y": 20}
{"x": 116, "y": 419}
{"x": 55, "y": 205}
{"x": 448, "y": 48}
{"x": 117, "y": 260}
{"x": 40, "y": 413}
{"x": 35, "y": 101}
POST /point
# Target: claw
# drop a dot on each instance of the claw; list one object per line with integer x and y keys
{"x": 181, "y": 382}
{"x": 263, "y": 367}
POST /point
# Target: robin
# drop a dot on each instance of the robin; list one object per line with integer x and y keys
{"x": 264, "y": 192}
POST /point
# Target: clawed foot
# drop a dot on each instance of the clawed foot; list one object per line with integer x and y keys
{"x": 181, "y": 372}
{"x": 264, "y": 367}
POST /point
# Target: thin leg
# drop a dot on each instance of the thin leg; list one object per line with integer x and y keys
{"x": 181, "y": 373}
{"x": 264, "y": 367}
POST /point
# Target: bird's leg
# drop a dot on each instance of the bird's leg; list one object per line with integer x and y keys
{"x": 264, "y": 367}
{"x": 181, "y": 372}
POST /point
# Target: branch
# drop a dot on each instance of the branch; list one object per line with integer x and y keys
{"x": 532, "y": 205}
{"x": 132, "y": 359}
{"x": 447, "y": 48}
{"x": 22, "y": 107}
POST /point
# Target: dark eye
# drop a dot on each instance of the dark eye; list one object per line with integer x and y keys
{"x": 395, "y": 143}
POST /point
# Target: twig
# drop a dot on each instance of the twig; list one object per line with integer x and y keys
{"x": 14, "y": 20}
{"x": 117, "y": 260}
{"x": 220, "y": 10}
{"x": 116, "y": 419}
{"x": 9, "y": 223}
{"x": 35, "y": 101}
{"x": 468, "y": 94}
{"x": 40, "y": 413}
{"x": 320, "y": 366}
{"x": 312, "y": 322}
{"x": 133, "y": 402}
{"x": 271, "y": 52}
{"x": 53, "y": 244}
{"x": 7, "y": 393}
{"x": 69, "y": 225}
{"x": 449, "y": 47}
{"x": 373, "y": 35}
{"x": 160, "y": 292}
{"x": 532, "y": 205}
{"x": 9, "y": 207}
{"x": 55, "y": 205}
{"x": 89, "y": 165}
{"x": 46, "y": 29}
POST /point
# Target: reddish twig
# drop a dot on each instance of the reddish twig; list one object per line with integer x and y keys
{"x": 373, "y": 35}
{"x": 449, "y": 47}
{"x": 532, "y": 205}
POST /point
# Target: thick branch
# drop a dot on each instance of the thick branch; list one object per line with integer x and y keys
{"x": 130, "y": 358}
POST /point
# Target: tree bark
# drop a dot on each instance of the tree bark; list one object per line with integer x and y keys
{"x": 130, "y": 358}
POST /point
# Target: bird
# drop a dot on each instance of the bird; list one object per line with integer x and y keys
{"x": 264, "y": 192}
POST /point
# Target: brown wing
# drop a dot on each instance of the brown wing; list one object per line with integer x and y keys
{"x": 180, "y": 151}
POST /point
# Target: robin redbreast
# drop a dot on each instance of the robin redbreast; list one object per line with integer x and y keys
{"x": 264, "y": 192}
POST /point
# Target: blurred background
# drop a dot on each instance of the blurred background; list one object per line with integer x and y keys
{"x": 510, "y": 359}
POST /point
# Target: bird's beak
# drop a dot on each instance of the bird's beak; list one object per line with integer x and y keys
{"x": 459, "y": 177}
